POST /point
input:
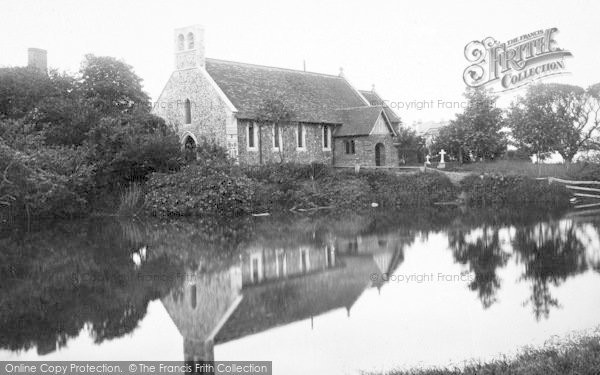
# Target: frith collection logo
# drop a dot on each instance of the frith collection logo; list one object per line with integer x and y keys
{"x": 513, "y": 64}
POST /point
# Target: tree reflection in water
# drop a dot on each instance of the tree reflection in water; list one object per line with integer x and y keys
{"x": 484, "y": 256}
{"x": 551, "y": 252}
{"x": 57, "y": 281}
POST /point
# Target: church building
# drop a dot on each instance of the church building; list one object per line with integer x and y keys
{"x": 326, "y": 119}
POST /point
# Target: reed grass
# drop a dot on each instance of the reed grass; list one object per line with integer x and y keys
{"x": 131, "y": 200}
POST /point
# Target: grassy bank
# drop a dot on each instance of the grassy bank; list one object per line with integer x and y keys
{"x": 572, "y": 355}
{"x": 223, "y": 189}
{"x": 526, "y": 168}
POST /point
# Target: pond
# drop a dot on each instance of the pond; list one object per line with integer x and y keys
{"x": 327, "y": 293}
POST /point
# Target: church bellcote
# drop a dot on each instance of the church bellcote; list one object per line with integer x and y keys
{"x": 189, "y": 47}
{"x": 37, "y": 59}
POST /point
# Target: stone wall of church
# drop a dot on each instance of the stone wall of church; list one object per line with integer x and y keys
{"x": 312, "y": 152}
{"x": 210, "y": 116}
{"x": 365, "y": 150}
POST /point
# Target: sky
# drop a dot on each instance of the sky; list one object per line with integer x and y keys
{"x": 412, "y": 51}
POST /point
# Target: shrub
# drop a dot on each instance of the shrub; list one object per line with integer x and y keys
{"x": 199, "y": 190}
{"x": 31, "y": 185}
{"x": 308, "y": 186}
{"x": 345, "y": 190}
{"x": 509, "y": 190}
{"x": 128, "y": 148}
{"x": 584, "y": 171}
{"x": 287, "y": 172}
{"x": 288, "y": 185}
{"x": 416, "y": 189}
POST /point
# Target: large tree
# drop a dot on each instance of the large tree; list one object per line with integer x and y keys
{"x": 66, "y": 138}
{"x": 111, "y": 86}
{"x": 555, "y": 118}
{"x": 477, "y": 130}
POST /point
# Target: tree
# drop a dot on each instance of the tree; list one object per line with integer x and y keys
{"x": 555, "y": 118}
{"x": 452, "y": 138}
{"x": 273, "y": 111}
{"x": 111, "y": 86}
{"x": 65, "y": 138}
{"x": 21, "y": 89}
{"x": 128, "y": 148}
{"x": 477, "y": 130}
{"x": 410, "y": 145}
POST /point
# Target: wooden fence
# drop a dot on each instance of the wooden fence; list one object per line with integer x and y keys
{"x": 579, "y": 191}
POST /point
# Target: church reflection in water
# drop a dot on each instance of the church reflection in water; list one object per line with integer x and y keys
{"x": 249, "y": 276}
{"x": 278, "y": 280}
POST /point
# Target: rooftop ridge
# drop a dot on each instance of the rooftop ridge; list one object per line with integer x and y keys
{"x": 274, "y": 67}
{"x": 363, "y": 106}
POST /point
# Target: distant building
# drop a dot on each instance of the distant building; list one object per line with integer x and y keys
{"x": 429, "y": 130}
{"x": 221, "y": 101}
{"x": 37, "y": 59}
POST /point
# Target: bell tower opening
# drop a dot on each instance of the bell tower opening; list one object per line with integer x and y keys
{"x": 189, "y": 47}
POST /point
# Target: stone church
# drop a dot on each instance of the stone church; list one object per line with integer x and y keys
{"x": 328, "y": 120}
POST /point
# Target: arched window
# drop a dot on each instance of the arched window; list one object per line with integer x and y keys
{"x": 353, "y": 149}
{"x": 326, "y": 135}
{"x": 180, "y": 42}
{"x": 190, "y": 40}
{"x": 189, "y": 148}
{"x": 188, "y": 111}
{"x": 193, "y": 296}
{"x": 347, "y": 147}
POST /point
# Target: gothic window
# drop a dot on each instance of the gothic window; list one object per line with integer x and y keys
{"x": 329, "y": 256}
{"x": 190, "y": 40}
{"x": 352, "y": 149}
{"x": 304, "y": 260}
{"x": 188, "y": 111}
{"x": 301, "y": 138}
{"x": 276, "y": 136}
{"x": 180, "y": 42}
{"x": 326, "y": 136}
{"x": 347, "y": 147}
{"x": 193, "y": 296}
{"x": 251, "y": 135}
{"x": 256, "y": 267}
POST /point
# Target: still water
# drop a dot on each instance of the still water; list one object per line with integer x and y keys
{"x": 328, "y": 293}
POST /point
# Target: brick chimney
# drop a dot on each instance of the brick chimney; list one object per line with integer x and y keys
{"x": 38, "y": 59}
{"x": 189, "y": 47}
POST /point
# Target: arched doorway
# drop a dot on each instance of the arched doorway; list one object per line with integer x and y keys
{"x": 379, "y": 154}
{"x": 189, "y": 148}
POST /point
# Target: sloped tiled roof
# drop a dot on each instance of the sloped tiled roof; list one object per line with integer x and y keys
{"x": 311, "y": 97}
{"x": 357, "y": 121}
{"x": 375, "y": 99}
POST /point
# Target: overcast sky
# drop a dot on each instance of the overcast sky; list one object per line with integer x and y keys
{"x": 410, "y": 50}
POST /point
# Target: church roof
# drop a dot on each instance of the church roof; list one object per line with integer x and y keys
{"x": 375, "y": 99}
{"x": 311, "y": 97}
{"x": 358, "y": 120}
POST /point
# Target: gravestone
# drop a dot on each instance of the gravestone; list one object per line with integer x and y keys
{"x": 442, "y": 163}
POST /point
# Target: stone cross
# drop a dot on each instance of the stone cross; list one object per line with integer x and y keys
{"x": 442, "y": 154}
{"x": 442, "y": 163}
{"x": 427, "y": 159}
